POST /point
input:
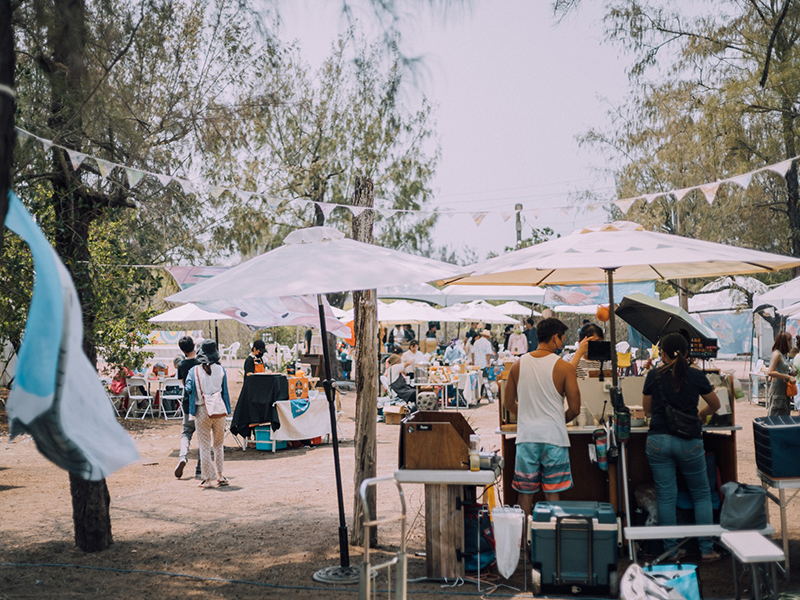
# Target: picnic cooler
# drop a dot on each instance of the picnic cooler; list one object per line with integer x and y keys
{"x": 264, "y": 439}
{"x": 776, "y": 440}
{"x": 574, "y": 543}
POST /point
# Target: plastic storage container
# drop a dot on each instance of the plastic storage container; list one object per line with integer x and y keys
{"x": 777, "y": 442}
{"x": 574, "y": 543}
{"x": 264, "y": 439}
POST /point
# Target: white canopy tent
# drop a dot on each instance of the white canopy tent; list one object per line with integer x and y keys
{"x": 515, "y": 308}
{"x": 457, "y": 294}
{"x": 478, "y": 312}
{"x": 188, "y": 312}
{"x": 780, "y": 297}
{"x": 403, "y": 311}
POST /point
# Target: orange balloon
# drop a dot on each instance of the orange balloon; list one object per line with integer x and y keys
{"x": 602, "y": 313}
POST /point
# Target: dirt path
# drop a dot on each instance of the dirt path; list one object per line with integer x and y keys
{"x": 273, "y": 527}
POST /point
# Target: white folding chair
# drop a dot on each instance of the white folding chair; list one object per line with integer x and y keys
{"x": 115, "y": 399}
{"x": 170, "y": 403}
{"x": 139, "y": 400}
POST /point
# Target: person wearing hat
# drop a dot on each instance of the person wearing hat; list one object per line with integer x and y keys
{"x": 482, "y": 349}
{"x": 205, "y": 379}
{"x": 254, "y": 363}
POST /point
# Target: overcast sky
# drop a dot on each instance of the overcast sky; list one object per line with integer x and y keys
{"x": 511, "y": 89}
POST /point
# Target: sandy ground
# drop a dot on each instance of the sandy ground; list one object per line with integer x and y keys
{"x": 262, "y": 537}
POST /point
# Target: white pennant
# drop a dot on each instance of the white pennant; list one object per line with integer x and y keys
{"x": 186, "y": 186}
{"x": 507, "y": 214}
{"x": 22, "y": 133}
{"x": 274, "y": 201}
{"x": 650, "y": 198}
{"x": 710, "y": 191}
{"x": 46, "y": 144}
{"x": 448, "y": 213}
{"x": 164, "y": 179}
{"x": 565, "y": 210}
{"x": 625, "y": 205}
{"x": 76, "y": 158}
{"x": 742, "y": 181}
{"x": 478, "y": 218}
{"x": 781, "y": 168}
{"x": 216, "y": 191}
{"x": 105, "y": 167}
{"x": 681, "y": 193}
{"x": 244, "y": 195}
{"x": 534, "y": 213}
{"x": 134, "y": 176}
{"x": 357, "y": 210}
{"x": 326, "y": 208}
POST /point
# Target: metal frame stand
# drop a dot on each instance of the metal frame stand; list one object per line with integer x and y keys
{"x": 367, "y": 571}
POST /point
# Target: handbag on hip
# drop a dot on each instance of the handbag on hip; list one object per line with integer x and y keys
{"x": 687, "y": 426}
{"x": 215, "y": 404}
{"x": 791, "y": 389}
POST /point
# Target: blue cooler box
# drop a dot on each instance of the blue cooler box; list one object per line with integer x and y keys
{"x": 777, "y": 442}
{"x": 574, "y": 543}
{"x": 264, "y": 439}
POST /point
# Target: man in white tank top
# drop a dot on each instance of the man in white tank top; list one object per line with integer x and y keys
{"x": 535, "y": 391}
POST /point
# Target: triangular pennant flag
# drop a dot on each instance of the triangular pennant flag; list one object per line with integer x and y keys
{"x": 244, "y": 195}
{"x": 507, "y": 214}
{"x": 163, "y": 179}
{"x": 594, "y": 206}
{"x": 625, "y": 205}
{"x": 742, "y": 180}
{"x": 650, "y": 198}
{"x": 478, "y": 218}
{"x": 534, "y": 213}
{"x": 710, "y": 191}
{"x": 274, "y": 201}
{"x": 357, "y": 210}
{"x": 681, "y": 193}
{"x": 215, "y": 191}
{"x": 22, "y": 133}
{"x": 565, "y": 210}
{"x": 326, "y": 208}
{"x": 186, "y": 186}
{"x": 76, "y": 158}
{"x": 781, "y": 168}
{"x": 46, "y": 144}
{"x": 448, "y": 212}
{"x": 105, "y": 167}
{"x": 134, "y": 176}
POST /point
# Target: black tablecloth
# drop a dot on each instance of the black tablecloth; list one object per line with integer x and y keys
{"x": 256, "y": 402}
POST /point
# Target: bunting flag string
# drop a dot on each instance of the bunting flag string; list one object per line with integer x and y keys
{"x": 135, "y": 176}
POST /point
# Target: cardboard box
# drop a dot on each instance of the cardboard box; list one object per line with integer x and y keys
{"x": 394, "y": 415}
{"x": 435, "y": 440}
{"x": 298, "y": 387}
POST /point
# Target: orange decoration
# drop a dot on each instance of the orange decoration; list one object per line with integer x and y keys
{"x": 352, "y": 339}
{"x": 602, "y": 313}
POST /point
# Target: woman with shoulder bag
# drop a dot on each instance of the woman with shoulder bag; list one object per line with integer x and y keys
{"x": 782, "y": 372}
{"x": 671, "y": 394}
{"x": 209, "y": 403}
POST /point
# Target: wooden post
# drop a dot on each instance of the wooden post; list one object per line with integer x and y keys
{"x": 366, "y": 369}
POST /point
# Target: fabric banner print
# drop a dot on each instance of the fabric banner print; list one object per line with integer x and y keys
{"x": 581, "y": 295}
{"x": 61, "y": 401}
{"x": 734, "y": 330}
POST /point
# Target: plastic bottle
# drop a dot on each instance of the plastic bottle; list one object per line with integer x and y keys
{"x": 474, "y": 453}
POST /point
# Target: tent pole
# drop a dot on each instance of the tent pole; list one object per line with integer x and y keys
{"x": 216, "y": 331}
{"x": 612, "y": 324}
{"x": 327, "y": 383}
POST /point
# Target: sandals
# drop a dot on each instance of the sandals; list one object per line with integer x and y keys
{"x": 223, "y": 482}
{"x": 206, "y": 483}
{"x": 713, "y": 557}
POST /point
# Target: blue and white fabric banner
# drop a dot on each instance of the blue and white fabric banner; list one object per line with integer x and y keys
{"x": 57, "y": 396}
{"x": 597, "y": 293}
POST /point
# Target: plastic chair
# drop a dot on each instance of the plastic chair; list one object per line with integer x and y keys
{"x": 137, "y": 394}
{"x": 228, "y": 354}
{"x": 172, "y": 393}
{"x": 115, "y": 399}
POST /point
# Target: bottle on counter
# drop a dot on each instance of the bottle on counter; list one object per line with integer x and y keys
{"x": 474, "y": 452}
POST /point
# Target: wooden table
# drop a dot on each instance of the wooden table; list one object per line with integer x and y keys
{"x": 444, "y": 517}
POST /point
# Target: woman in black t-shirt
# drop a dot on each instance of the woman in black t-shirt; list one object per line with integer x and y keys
{"x": 683, "y": 386}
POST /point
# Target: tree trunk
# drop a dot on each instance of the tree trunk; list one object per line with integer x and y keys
{"x": 90, "y": 515}
{"x": 792, "y": 192}
{"x": 366, "y": 369}
{"x": 74, "y": 215}
{"x": 7, "y": 133}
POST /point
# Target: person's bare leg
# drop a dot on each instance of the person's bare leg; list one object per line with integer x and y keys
{"x": 526, "y": 503}
{"x": 552, "y": 497}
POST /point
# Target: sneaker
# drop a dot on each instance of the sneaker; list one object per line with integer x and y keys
{"x": 712, "y": 557}
{"x": 179, "y": 468}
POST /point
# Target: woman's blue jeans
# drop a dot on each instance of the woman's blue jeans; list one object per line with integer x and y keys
{"x": 668, "y": 454}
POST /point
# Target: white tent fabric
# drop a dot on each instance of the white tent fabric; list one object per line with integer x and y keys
{"x": 624, "y": 247}
{"x": 403, "y": 311}
{"x": 188, "y": 312}
{"x": 781, "y": 296}
{"x": 317, "y": 260}
{"x": 515, "y": 308}
{"x": 725, "y": 299}
{"x": 457, "y": 294}
{"x": 478, "y": 312}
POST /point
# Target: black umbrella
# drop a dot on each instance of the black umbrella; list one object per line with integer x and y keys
{"x": 654, "y": 319}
